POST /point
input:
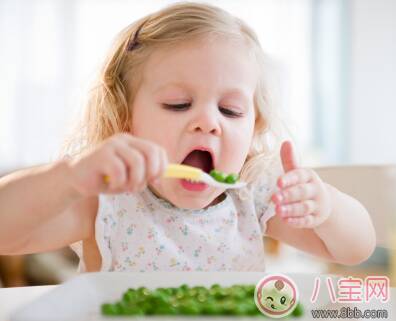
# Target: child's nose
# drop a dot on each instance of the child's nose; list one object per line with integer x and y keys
{"x": 207, "y": 122}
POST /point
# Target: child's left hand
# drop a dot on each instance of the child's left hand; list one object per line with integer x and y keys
{"x": 303, "y": 199}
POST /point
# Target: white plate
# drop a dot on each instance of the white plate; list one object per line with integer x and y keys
{"x": 81, "y": 297}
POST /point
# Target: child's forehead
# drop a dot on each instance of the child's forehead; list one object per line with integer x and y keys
{"x": 223, "y": 63}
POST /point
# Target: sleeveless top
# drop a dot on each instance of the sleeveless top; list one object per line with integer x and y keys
{"x": 140, "y": 232}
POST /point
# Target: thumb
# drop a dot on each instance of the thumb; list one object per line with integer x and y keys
{"x": 288, "y": 156}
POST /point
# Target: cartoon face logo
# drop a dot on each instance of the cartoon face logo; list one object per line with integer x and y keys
{"x": 276, "y": 296}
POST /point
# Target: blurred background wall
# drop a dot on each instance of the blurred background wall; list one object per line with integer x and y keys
{"x": 333, "y": 77}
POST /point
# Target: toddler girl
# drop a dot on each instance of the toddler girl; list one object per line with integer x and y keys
{"x": 182, "y": 85}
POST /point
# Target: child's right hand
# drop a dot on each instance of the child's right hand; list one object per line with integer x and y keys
{"x": 129, "y": 163}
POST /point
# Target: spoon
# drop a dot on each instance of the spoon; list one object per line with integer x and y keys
{"x": 196, "y": 174}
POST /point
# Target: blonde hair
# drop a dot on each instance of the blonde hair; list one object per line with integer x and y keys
{"x": 108, "y": 107}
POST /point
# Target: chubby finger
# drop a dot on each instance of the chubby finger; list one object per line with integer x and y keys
{"x": 297, "y": 209}
{"x": 288, "y": 157}
{"x": 294, "y": 177}
{"x": 164, "y": 161}
{"x": 115, "y": 173}
{"x": 300, "y": 192}
{"x": 136, "y": 170}
{"x": 152, "y": 153}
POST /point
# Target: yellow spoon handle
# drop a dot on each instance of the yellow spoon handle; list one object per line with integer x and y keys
{"x": 175, "y": 170}
{"x": 183, "y": 171}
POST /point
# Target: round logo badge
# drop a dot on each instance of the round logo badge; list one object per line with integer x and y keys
{"x": 276, "y": 295}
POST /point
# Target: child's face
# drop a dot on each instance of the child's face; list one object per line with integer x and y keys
{"x": 214, "y": 82}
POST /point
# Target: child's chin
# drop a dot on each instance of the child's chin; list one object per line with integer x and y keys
{"x": 189, "y": 201}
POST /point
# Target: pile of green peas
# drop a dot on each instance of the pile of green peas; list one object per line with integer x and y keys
{"x": 224, "y": 178}
{"x": 236, "y": 300}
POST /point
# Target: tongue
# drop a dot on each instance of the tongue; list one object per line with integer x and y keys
{"x": 199, "y": 159}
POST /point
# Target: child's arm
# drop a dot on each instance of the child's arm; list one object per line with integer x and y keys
{"x": 348, "y": 225}
{"x": 319, "y": 219}
{"x": 51, "y": 206}
{"x": 29, "y": 200}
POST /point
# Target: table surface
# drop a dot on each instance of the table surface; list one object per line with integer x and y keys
{"x": 13, "y": 298}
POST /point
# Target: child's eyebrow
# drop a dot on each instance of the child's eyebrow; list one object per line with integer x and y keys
{"x": 236, "y": 93}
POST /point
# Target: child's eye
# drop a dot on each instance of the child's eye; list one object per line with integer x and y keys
{"x": 177, "y": 107}
{"x": 230, "y": 113}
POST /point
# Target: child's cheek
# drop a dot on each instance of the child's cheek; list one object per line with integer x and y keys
{"x": 234, "y": 158}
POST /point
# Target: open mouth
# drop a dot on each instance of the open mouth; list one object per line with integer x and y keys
{"x": 200, "y": 159}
